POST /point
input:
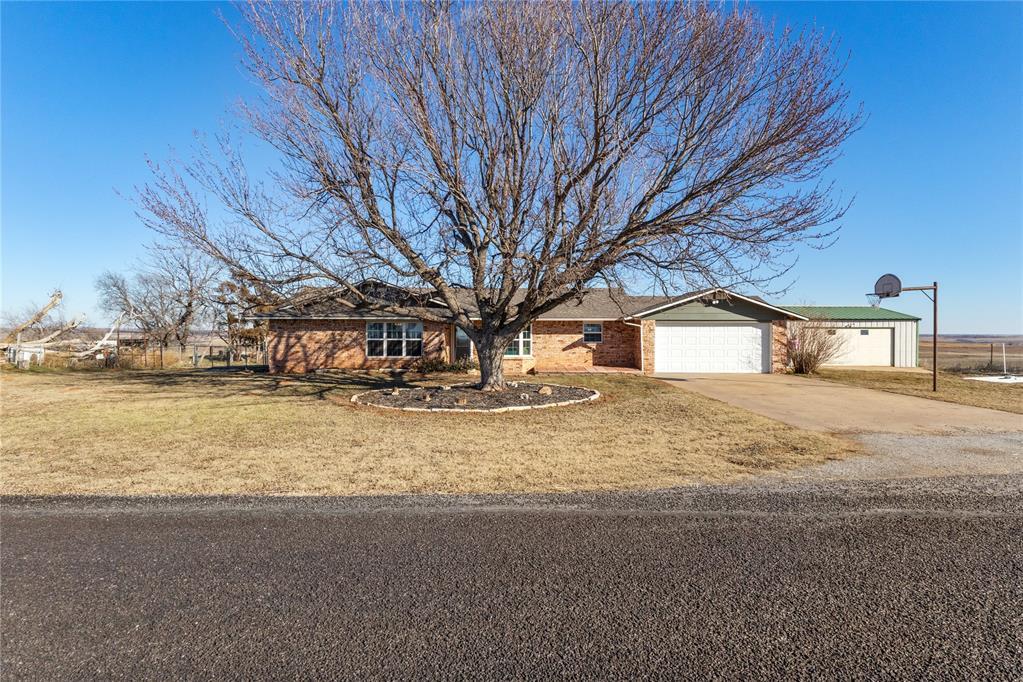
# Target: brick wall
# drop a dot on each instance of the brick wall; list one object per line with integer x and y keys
{"x": 297, "y": 346}
{"x": 649, "y": 330}
{"x": 779, "y": 346}
{"x": 513, "y": 365}
{"x": 559, "y": 346}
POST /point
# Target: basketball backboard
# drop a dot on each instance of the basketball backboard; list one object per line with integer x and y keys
{"x": 888, "y": 286}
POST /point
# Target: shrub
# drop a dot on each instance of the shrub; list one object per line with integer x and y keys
{"x": 434, "y": 365}
{"x": 812, "y": 344}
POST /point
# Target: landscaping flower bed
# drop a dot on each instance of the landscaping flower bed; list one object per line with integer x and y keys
{"x": 467, "y": 398}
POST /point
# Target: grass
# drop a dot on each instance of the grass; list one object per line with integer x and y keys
{"x": 223, "y": 432}
{"x": 951, "y": 388}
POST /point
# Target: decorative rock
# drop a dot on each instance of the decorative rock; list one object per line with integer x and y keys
{"x": 464, "y": 397}
{"x": 513, "y": 384}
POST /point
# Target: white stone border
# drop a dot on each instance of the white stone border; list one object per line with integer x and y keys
{"x": 512, "y": 408}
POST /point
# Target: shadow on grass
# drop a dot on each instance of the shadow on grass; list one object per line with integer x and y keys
{"x": 226, "y": 381}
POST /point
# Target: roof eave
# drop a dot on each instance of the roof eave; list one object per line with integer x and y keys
{"x": 700, "y": 294}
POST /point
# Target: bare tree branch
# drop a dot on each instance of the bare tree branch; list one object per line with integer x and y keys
{"x": 165, "y": 296}
{"x": 520, "y": 151}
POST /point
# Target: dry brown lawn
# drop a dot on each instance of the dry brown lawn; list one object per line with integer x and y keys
{"x": 951, "y": 388}
{"x": 213, "y": 432}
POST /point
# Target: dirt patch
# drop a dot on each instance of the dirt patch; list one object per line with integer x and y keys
{"x": 467, "y": 398}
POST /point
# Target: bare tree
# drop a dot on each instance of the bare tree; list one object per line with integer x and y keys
{"x": 165, "y": 296}
{"x": 36, "y": 321}
{"x": 813, "y": 344}
{"x": 503, "y": 156}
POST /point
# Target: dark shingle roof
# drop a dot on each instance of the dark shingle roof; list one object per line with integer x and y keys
{"x": 604, "y": 304}
{"x": 596, "y": 304}
{"x": 848, "y": 312}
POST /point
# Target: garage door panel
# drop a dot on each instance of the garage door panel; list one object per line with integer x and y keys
{"x": 688, "y": 347}
{"x": 870, "y": 347}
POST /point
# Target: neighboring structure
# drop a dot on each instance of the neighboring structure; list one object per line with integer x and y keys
{"x": 713, "y": 330}
{"x": 25, "y": 354}
{"x": 873, "y": 337}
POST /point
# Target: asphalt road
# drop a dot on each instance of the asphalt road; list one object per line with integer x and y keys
{"x": 891, "y": 580}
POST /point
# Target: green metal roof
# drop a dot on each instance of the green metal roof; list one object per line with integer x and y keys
{"x": 848, "y": 312}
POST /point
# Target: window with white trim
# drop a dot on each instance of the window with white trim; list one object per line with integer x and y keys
{"x": 521, "y": 345}
{"x": 593, "y": 332}
{"x": 394, "y": 339}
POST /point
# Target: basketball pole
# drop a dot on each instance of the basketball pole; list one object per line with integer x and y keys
{"x": 934, "y": 331}
{"x": 934, "y": 344}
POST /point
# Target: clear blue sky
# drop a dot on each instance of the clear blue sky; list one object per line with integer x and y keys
{"x": 937, "y": 172}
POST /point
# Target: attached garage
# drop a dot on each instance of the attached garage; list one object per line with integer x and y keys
{"x": 872, "y": 337}
{"x": 712, "y": 347}
{"x": 717, "y": 332}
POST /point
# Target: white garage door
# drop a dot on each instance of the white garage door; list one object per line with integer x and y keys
{"x": 690, "y": 347}
{"x": 868, "y": 347}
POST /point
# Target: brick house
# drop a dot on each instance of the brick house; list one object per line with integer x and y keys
{"x": 713, "y": 330}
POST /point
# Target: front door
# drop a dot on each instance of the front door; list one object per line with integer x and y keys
{"x": 463, "y": 346}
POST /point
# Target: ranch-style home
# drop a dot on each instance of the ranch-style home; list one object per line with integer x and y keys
{"x": 713, "y": 330}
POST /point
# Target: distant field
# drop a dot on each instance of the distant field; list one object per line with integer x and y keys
{"x": 974, "y": 353}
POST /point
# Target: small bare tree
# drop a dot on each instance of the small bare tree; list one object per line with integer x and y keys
{"x": 165, "y": 296}
{"x": 504, "y": 156}
{"x": 813, "y": 344}
{"x": 231, "y": 302}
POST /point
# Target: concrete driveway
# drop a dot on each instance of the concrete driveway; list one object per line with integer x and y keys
{"x": 902, "y": 436}
{"x": 820, "y": 405}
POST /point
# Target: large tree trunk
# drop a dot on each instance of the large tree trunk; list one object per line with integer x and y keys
{"x": 490, "y": 352}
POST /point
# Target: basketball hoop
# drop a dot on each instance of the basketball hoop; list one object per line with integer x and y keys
{"x": 887, "y": 286}
{"x": 890, "y": 286}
